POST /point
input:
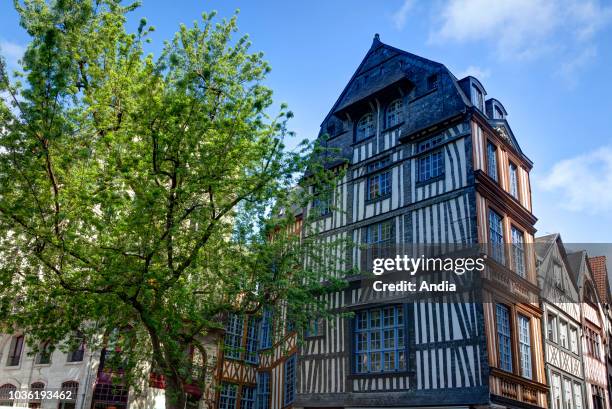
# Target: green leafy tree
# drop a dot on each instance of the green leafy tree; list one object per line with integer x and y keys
{"x": 143, "y": 199}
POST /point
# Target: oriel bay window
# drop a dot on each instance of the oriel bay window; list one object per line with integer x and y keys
{"x": 514, "y": 335}
{"x": 518, "y": 251}
{"x": 504, "y": 337}
{"x": 380, "y": 340}
{"x": 525, "y": 345}
{"x": 496, "y": 236}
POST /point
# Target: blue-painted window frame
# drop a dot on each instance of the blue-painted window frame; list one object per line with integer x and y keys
{"x": 379, "y": 185}
{"x": 366, "y": 127}
{"x": 394, "y": 113}
{"x": 227, "y": 396}
{"x": 504, "y": 336}
{"x": 247, "y": 397}
{"x": 263, "y": 390}
{"x": 380, "y": 340}
{"x": 234, "y": 332}
{"x": 265, "y": 332}
{"x": 431, "y": 166}
{"x": 290, "y": 379}
{"x": 252, "y": 339}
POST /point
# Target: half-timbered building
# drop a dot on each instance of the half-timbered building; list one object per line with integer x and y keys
{"x": 562, "y": 330}
{"x": 430, "y": 160}
{"x": 594, "y": 334}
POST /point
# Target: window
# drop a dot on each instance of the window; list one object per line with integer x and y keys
{"x": 379, "y": 185}
{"x": 379, "y": 164}
{"x": 567, "y": 389}
{"x": 322, "y": 203}
{"x": 312, "y": 330}
{"x": 73, "y": 388}
{"x": 477, "y": 97}
{"x": 290, "y": 369}
{"x": 551, "y": 327}
{"x": 380, "y": 342}
{"x": 513, "y": 180}
{"x": 503, "y": 336}
{"x": 432, "y": 82}
{"x": 556, "y": 391}
{"x": 525, "y": 346}
{"x": 77, "y": 354}
{"x": 518, "y": 251}
{"x": 498, "y": 113}
{"x": 379, "y": 237}
{"x": 578, "y": 395}
{"x": 563, "y": 334}
{"x": 430, "y": 143}
{"x": 263, "y": 390}
{"x": 265, "y": 333}
{"x": 365, "y": 127}
{"x": 227, "y": 398}
{"x": 431, "y": 166}
{"x": 44, "y": 354}
{"x": 233, "y": 336}
{"x": 36, "y": 388}
{"x": 492, "y": 161}
{"x": 598, "y": 397}
{"x": 247, "y": 398}
{"x": 496, "y": 236}
{"x": 395, "y": 113}
{"x": 574, "y": 340}
{"x": 7, "y": 392}
{"x": 251, "y": 341}
{"x": 15, "y": 351}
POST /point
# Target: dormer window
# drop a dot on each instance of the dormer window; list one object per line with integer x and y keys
{"x": 497, "y": 113}
{"x": 365, "y": 127}
{"x": 395, "y": 113}
{"x": 477, "y": 98}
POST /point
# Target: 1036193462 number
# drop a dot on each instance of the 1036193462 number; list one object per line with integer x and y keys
{"x": 41, "y": 395}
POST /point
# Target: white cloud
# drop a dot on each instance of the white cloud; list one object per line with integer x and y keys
{"x": 584, "y": 181}
{"x": 475, "y": 71}
{"x": 569, "y": 69}
{"x": 12, "y": 52}
{"x": 399, "y": 17}
{"x": 522, "y": 29}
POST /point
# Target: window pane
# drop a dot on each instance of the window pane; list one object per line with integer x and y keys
{"x": 492, "y": 161}
{"x": 380, "y": 340}
{"x": 525, "y": 346}
{"x": 503, "y": 335}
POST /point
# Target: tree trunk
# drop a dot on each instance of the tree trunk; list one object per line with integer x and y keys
{"x": 176, "y": 397}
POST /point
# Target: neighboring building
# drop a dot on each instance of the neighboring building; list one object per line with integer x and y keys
{"x": 600, "y": 274}
{"x": 430, "y": 160}
{"x": 74, "y": 373}
{"x": 562, "y": 329}
{"x": 594, "y": 333}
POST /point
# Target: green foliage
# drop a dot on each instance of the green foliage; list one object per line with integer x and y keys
{"x": 150, "y": 196}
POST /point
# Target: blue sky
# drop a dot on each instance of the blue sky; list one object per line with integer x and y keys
{"x": 548, "y": 61}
